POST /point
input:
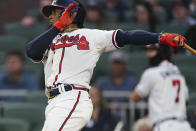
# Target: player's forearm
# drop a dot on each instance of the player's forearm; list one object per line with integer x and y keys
{"x": 37, "y": 47}
{"x": 136, "y": 37}
{"x": 135, "y": 97}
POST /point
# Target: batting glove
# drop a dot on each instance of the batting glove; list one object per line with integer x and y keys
{"x": 66, "y": 19}
{"x": 172, "y": 40}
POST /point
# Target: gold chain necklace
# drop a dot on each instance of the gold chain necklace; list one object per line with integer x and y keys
{"x": 70, "y": 29}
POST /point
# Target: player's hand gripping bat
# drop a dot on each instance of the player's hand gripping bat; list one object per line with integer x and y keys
{"x": 65, "y": 20}
{"x": 176, "y": 41}
{"x": 188, "y": 47}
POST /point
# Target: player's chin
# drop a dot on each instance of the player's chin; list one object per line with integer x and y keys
{"x": 51, "y": 22}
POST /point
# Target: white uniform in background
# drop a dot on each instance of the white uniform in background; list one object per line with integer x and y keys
{"x": 168, "y": 94}
{"x": 71, "y": 60}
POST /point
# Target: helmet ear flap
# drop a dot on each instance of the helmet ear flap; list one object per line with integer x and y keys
{"x": 74, "y": 10}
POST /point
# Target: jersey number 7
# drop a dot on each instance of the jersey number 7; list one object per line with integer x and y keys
{"x": 176, "y": 84}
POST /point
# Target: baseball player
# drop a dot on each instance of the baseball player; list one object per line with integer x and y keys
{"x": 70, "y": 52}
{"x": 167, "y": 91}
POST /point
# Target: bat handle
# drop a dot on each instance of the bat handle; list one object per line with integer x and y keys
{"x": 190, "y": 49}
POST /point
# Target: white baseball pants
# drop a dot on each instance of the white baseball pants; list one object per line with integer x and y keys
{"x": 173, "y": 125}
{"x": 69, "y": 111}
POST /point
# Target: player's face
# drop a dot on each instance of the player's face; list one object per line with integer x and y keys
{"x": 150, "y": 53}
{"x": 54, "y": 16}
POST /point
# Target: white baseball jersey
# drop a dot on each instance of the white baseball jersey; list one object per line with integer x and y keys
{"x": 75, "y": 56}
{"x": 167, "y": 92}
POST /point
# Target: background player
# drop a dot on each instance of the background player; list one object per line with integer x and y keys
{"x": 167, "y": 91}
{"x": 70, "y": 52}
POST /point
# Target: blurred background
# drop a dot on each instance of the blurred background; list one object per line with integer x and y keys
{"x": 22, "y": 97}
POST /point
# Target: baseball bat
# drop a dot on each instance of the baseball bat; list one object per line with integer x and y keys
{"x": 190, "y": 49}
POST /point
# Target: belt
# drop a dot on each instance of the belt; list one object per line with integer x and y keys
{"x": 60, "y": 88}
{"x": 161, "y": 121}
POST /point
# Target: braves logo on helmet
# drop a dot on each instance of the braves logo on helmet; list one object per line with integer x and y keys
{"x": 54, "y": 2}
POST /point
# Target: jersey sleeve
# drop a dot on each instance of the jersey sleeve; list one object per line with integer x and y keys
{"x": 145, "y": 85}
{"x": 107, "y": 40}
